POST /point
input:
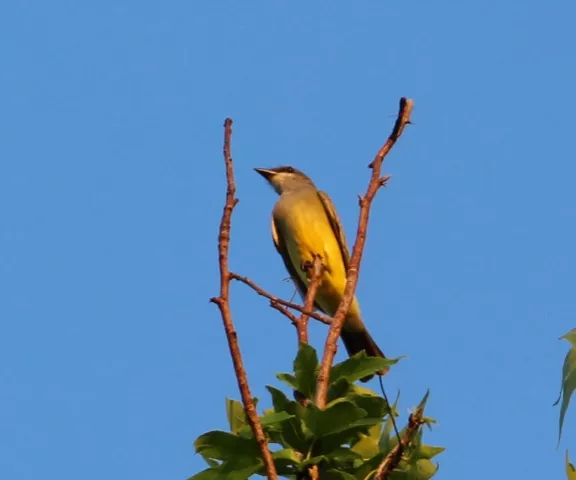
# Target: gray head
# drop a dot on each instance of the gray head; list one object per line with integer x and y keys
{"x": 283, "y": 179}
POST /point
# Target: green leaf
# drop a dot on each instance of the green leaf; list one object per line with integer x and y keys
{"x": 237, "y": 418}
{"x": 359, "y": 366}
{"x": 279, "y": 400}
{"x": 292, "y": 432}
{"x": 428, "y": 451}
{"x": 369, "y": 467}
{"x": 209, "y": 461}
{"x": 374, "y": 406}
{"x": 344, "y": 458}
{"x": 367, "y": 445}
{"x": 359, "y": 426}
{"x": 236, "y": 415}
{"x": 338, "y": 389}
{"x": 240, "y": 470}
{"x": 570, "y": 336}
{"x": 422, "y": 405}
{"x": 312, "y": 461}
{"x": 287, "y": 461}
{"x": 336, "y": 417}
{"x": 568, "y": 379}
{"x": 421, "y": 470}
{"x": 334, "y": 474}
{"x": 415, "y": 463}
{"x": 570, "y": 470}
{"x": 348, "y": 435}
{"x": 275, "y": 418}
{"x": 305, "y": 368}
{"x": 288, "y": 379}
{"x": 208, "y": 474}
{"x": 287, "y": 454}
{"x": 220, "y": 445}
{"x": 295, "y": 437}
{"x": 363, "y": 390}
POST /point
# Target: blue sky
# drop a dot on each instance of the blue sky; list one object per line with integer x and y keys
{"x": 112, "y": 361}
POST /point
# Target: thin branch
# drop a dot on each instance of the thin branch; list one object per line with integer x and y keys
{"x": 223, "y": 302}
{"x": 393, "y": 458}
{"x": 284, "y": 311}
{"x": 354, "y": 264}
{"x": 315, "y": 274}
{"x": 278, "y": 301}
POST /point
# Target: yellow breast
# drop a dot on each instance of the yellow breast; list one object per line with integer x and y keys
{"x": 306, "y": 230}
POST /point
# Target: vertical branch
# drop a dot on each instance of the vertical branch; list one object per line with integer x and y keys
{"x": 315, "y": 273}
{"x": 354, "y": 265}
{"x": 223, "y": 302}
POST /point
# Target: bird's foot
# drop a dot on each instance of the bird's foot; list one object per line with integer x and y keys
{"x": 309, "y": 266}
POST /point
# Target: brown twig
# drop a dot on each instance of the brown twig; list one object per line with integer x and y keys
{"x": 223, "y": 302}
{"x": 354, "y": 264}
{"x": 315, "y": 274}
{"x": 274, "y": 300}
{"x": 284, "y": 311}
{"x": 393, "y": 458}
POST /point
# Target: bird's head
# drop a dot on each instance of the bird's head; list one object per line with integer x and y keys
{"x": 285, "y": 178}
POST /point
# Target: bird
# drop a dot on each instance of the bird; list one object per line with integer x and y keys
{"x": 305, "y": 225}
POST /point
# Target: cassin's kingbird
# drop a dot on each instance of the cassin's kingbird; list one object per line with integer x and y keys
{"x": 305, "y": 224}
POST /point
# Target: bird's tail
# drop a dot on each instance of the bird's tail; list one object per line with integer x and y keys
{"x": 361, "y": 340}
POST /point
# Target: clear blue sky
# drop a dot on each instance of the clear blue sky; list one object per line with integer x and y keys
{"x": 112, "y": 361}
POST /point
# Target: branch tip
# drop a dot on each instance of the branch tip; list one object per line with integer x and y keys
{"x": 391, "y": 461}
{"x": 405, "y": 108}
{"x": 384, "y": 180}
{"x": 223, "y": 302}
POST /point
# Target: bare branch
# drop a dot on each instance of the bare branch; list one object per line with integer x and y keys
{"x": 354, "y": 264}
{"x": 393, "y": 458}
{"x": 284, "y": 311}
{"x": 223, "y": 302}
{"x": 274, "y": 300}
{"x": 315, "y": 274}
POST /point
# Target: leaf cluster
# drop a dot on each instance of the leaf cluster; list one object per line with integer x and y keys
{"x": 568, "y": 384}
{"x": 347, "y": 440}
{"x": 567, "y": 388}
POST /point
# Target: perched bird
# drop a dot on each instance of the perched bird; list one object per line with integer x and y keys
{"x": 304, "y": 225}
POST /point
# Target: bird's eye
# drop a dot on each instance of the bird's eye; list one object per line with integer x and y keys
{"x": 290, "y": 170}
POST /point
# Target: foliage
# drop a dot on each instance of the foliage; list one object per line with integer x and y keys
{"x": 568, "y": 378}
{"x": 346, "y": 441}
{"x": 570, "y": 470}
{"x": 567, "y": 387}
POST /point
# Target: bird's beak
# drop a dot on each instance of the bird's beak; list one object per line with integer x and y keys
{"x": 266, "y": 172}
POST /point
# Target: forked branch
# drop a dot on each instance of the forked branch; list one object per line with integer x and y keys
{"x": 376, "y": 181}
{"x": 276, "y": 302}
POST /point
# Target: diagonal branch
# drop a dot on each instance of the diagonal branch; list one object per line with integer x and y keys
{"x": 223, "y": 302}
{"x": 393, "y": 458}
{"x": 277, "y": 301}
{"x": 284, "y": 311}
{"x": 354, "y": 265}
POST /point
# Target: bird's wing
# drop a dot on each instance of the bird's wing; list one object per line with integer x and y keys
{"x": 283, "y": 251}
{"x": 336, "y": 226}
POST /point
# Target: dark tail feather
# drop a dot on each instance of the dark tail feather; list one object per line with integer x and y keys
{"x": 358, "y": 341}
